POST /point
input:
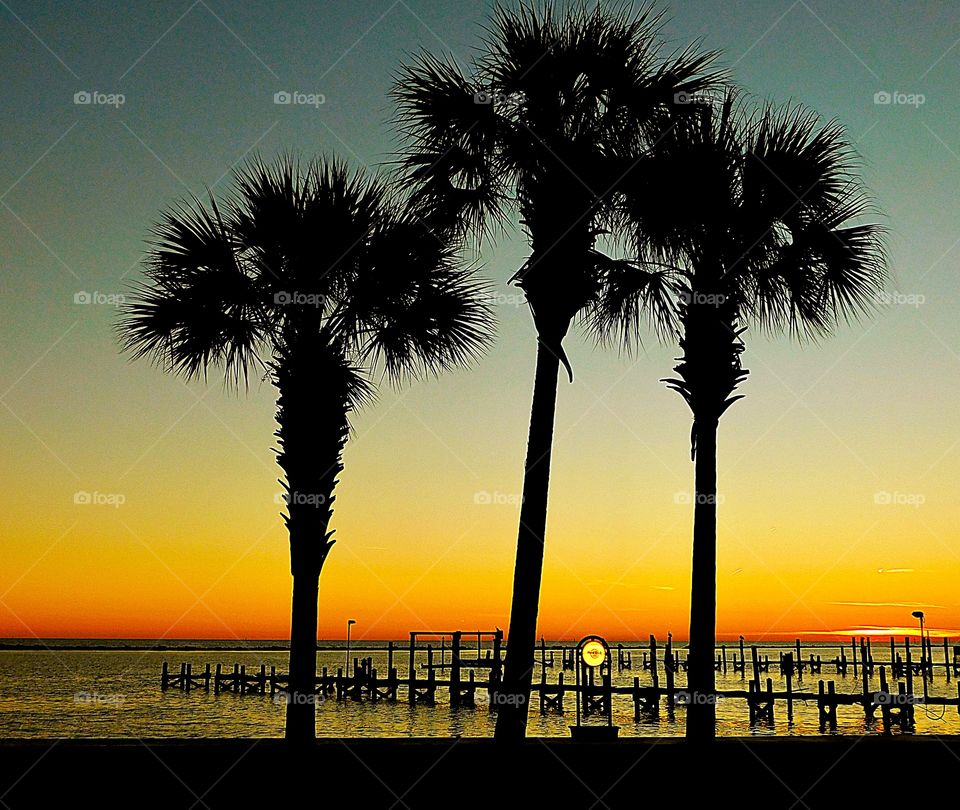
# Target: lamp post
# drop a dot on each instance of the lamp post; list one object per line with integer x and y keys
{"x": 918, "y": 614}
{"x": 346, "y": 663}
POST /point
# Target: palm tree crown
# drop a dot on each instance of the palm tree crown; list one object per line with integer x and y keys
{"x": 763, "y": 209}
{"x": 548, "y": 124}
{"x": 304, "y": 254}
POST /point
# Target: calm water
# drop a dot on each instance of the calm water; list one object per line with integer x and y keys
{"x": 116, "y": 693}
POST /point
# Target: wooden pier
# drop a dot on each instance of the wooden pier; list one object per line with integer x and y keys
{"x": 470, "y": 677}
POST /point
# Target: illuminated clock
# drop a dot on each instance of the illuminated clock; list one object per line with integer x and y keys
{"x": 593, "y": 653}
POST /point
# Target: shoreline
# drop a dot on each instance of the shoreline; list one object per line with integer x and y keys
{"x": 254, "y": 645}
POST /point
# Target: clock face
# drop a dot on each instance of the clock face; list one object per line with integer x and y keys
{"x": 593, "y": 653}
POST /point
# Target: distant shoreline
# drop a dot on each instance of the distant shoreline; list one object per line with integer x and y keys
{"x": 365, "y": 646}
{"x": 137, "y": 648}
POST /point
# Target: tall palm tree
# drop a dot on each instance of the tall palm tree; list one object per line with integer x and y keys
{"x": 760, "y": 217}
{"x": 547, "y": 124}
{"x": 312, "y": 275}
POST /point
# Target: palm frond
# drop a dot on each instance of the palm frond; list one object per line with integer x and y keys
{"x": 815, "y": 262}
{"x": 417, "y": 310}
{"x": 635, "y": 297}
{"x": 828, "y": 274}
{"x": 199, "y": 309}
{"x": 795, "y": 165}
{"x": 451, "y": 126}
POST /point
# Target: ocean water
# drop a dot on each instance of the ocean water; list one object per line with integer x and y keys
{"x": 59, "y": 692}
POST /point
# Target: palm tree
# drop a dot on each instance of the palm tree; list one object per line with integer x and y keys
{"x": 311, "y": 276}
{"x": 761, "y": 218}
{"x": 547, "y": 124}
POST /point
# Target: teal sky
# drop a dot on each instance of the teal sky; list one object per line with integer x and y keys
{"x": 824, "y": 426}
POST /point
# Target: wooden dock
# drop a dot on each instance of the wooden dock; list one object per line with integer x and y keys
{"x": 452, "y": 668}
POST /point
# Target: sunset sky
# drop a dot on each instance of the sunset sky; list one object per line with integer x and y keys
{"x": 838, "y": 472}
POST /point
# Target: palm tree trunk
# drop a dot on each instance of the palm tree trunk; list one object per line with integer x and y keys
{"x": 301, "y": 702}
{"x": 513, "y": 699}
{"x": 312, "y": 430}
{"x": 701, "y": 675}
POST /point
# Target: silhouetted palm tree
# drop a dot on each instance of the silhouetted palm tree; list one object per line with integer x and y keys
{"x": 312, "y": 276}
{"x": 548, "y": 124}
{"x": 760, "y": 217}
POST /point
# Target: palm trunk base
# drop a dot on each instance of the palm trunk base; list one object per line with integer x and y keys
{"x": 301, "y": 722}
{"x": 701, "y": 675}
{"x": 513, "y": 699}
{"x": 701, "y": 717}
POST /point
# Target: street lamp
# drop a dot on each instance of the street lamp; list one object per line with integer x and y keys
{"x": 346, "y": 663}
{"x": 918, "y": 614}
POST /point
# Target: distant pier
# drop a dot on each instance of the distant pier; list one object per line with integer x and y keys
{"x": 886, "y": 693}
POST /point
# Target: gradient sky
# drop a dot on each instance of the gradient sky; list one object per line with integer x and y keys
{"x": 838, "y": 471}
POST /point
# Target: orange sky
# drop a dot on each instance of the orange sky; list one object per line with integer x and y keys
{"x": 196, "y": 548}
